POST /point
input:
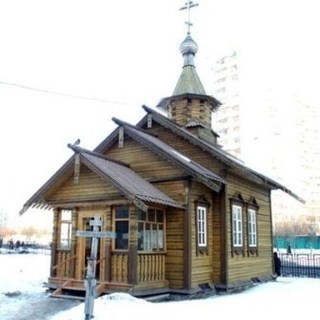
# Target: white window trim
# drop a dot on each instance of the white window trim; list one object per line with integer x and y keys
{"x": 202, "y": 226}
{"x": 237, "y": 226}
{"x": 252, "y": 228}
{"x": 65, "y": 233}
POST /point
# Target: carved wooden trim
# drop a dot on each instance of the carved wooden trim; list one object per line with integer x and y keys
{"x": 149, "y": 121}
{"x": 121, "y": 137}
{"x": 77, "y": 165}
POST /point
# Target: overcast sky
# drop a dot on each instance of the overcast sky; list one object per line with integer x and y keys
{"x": 68, "y": 66}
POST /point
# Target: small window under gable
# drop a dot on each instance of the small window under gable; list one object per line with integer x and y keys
{"x": 237, "y": 234}
{"x": 252, "y": 228}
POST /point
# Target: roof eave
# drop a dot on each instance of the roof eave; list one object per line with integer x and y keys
{"x": 37, "y": 201}
{"x": 213, "y": 102}
{"x": 242, "y": 170}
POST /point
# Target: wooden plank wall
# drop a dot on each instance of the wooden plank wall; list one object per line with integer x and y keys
{"x": 143, "y": 161}
{"x": 175, "y": 252}
{"x": 193, "y": 152}
{"x": 206, "y": 267}
{"x": 89, "y": 187}
{"x": 243, "y": 268}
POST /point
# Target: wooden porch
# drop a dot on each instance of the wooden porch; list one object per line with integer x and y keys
{"x": 113, "y": 275}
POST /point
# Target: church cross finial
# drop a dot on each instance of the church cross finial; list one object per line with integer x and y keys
{"x": 188, "y": 6}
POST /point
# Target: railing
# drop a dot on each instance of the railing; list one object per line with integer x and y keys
{"x": 62, "y": 268}
{"x": 151, "y": 267}
{"x": 119, "y": 267}
{"x": 300, "y": 265}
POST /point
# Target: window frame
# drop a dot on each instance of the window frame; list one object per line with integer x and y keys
{"x": 252, "y": 228}
{"x": 252, "y": 206}
{"x": 202, "y": 221}
{"x": 120, "y": 219}
{"x": 237, "y": 225}
{"x": 237, "y": 201}
{"x": 67, "y": 221}
{"x": 155, "y": 240}
{"x": 202, "y": 225}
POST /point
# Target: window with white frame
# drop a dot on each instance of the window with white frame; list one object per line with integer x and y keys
{"x": 252, "y": 228}
{"x": 202, "y": 226}
{"x": 237, "y": 226}
{"x": 65, "y": 230}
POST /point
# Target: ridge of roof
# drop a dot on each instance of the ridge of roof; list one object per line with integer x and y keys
{"x": 219, "y": 153}
{"x": 78, "y": 149}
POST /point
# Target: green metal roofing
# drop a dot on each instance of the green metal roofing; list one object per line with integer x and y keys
{"x": 189, "y": 82}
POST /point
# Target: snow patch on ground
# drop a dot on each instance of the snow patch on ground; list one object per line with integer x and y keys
{"x": 289, "y": 298}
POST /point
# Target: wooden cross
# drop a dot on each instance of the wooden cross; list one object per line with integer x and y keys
{"x": 91, "y": 282}
{"x": 188, "y": 6}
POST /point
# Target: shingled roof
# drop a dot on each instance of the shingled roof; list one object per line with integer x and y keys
{"x": 128, "y": 182}
{"x": 124, "y": 179}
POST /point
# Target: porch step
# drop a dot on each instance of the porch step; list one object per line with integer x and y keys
{"x": 67, "y": 296}
{"x": 70, "y": 289}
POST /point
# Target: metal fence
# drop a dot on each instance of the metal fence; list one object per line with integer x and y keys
{"x": 300, "y": 265}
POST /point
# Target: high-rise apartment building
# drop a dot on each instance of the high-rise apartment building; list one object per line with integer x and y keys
{"x": 272, "y": 130}
{"x": 227, "y": 122}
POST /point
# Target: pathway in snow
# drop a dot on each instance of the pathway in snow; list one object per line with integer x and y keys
{"x": 22, "y": 288}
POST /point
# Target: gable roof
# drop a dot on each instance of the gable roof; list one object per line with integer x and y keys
{"x": 170, "y": 154}
{"x": 214, "y": 150}
{"x": 125, "y": 180}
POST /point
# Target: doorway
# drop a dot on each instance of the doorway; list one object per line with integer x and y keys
{"x": 88, "y": 247}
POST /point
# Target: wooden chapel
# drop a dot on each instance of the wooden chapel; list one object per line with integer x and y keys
{"x": 186, "y": 214}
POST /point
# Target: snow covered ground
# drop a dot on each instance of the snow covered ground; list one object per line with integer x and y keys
{"x": 23, "y": 296}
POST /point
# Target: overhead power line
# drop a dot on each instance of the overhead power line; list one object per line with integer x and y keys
{"x": 64, "y": 94}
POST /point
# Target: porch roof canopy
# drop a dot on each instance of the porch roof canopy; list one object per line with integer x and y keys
{"x": 133, "y": 186}
{"x": 124, "y": 179}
